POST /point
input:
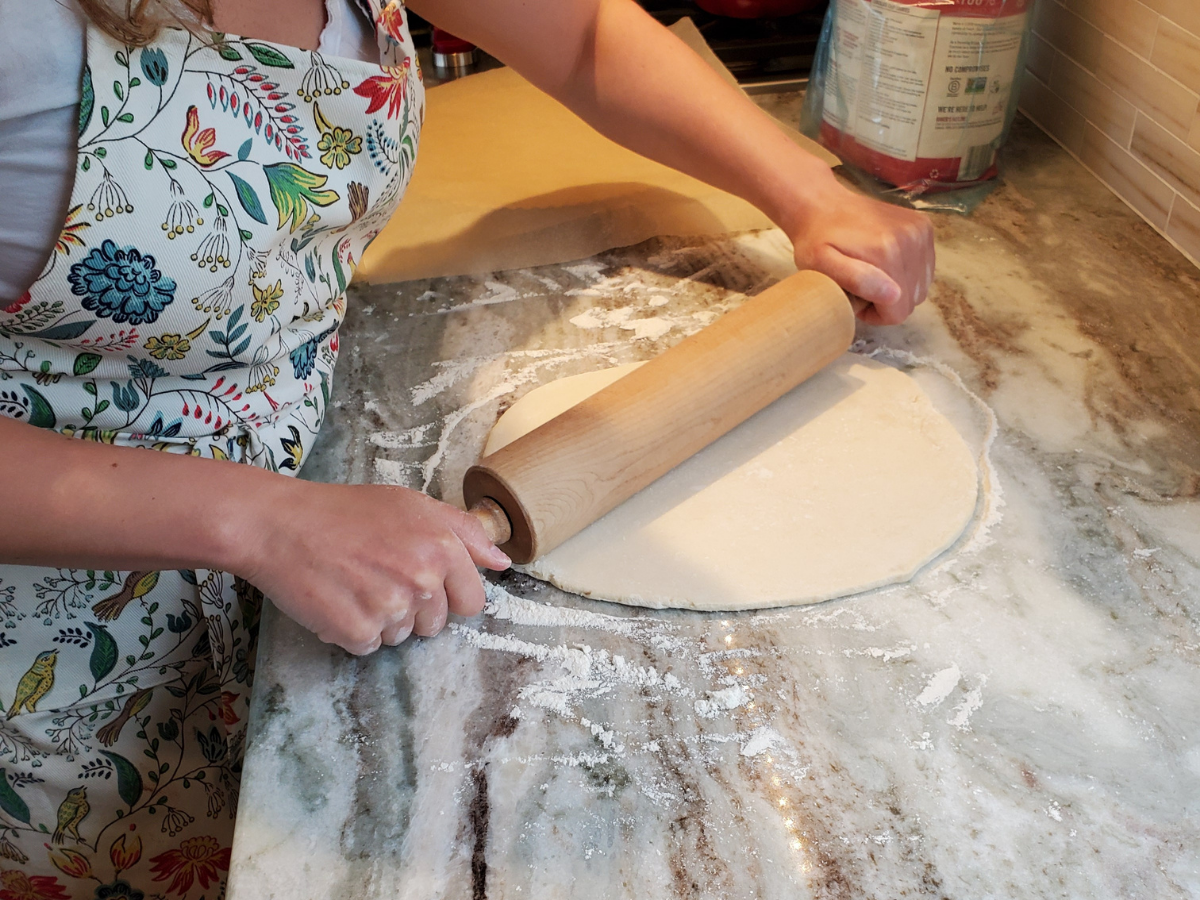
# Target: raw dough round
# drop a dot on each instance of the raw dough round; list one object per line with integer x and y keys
{"x": 849, "y": 482}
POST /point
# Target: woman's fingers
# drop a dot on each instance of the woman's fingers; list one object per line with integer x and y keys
{"x": 394, "y": 635}
{"x": 879, "y": 252}
{"x": 861, "y": 278}
{"x": 389, "y": 562}
{"x": 483, "y": 552}
{"x": 464, "y": 587}
{"x": 452, "y": 585}
{"x": 361, "y": 648}
{"x": 915, "y": 243}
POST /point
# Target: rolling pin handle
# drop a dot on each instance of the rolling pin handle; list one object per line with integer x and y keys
{"x": 494, "y": 519}
{"x": 857, "y": 303}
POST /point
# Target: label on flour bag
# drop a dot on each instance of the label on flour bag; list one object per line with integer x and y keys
{"x": 920, "y": 92}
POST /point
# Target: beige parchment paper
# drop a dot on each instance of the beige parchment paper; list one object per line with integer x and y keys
{"x": 507, "y": 177}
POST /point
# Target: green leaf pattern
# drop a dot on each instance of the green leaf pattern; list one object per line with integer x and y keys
{"x": 129, "y": 779}
{"x": 248, "y": 197}
{"x": 104, "y": 652}
{"x": 292, "y": 189}
{"x": 11, "y": 802}
{"x": 87, "y": 101}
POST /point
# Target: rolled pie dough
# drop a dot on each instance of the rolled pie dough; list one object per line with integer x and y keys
{"x": 849, "y": 482}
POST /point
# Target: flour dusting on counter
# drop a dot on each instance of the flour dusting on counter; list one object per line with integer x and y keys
{"x": 940, "y": 686}
{"x": 502, "y": 380}
{"x": 575, "y": 675}
{"x": 718, "y": 702}
{"x": 645, "y": 328}
{"x": 762, "y": 740}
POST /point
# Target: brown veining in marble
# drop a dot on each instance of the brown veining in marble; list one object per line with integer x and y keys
{"x": 981, "y": 338}
{"x": 685, "y": 258}
{"x": 696, "y": 867}
{"x": 491, "y": 722}
{"x": 1125, "y": 288}
{"x": 1006, "y": 210}
{"x": 478, "y": 816}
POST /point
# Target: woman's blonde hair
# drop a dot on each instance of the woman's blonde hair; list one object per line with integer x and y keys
{"x": 137, "y": 22}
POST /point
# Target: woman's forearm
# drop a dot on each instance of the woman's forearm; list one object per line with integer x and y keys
{"x": 638, "y": 84}
{"x": 79, "y": 504}
{"x": 359, "y": 565}
{"x": 641, "y": 86}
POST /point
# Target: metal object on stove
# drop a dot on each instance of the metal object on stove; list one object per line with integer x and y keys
{"x": 452, "y": 56}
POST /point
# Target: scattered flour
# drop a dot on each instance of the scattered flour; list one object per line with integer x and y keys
{"x": 449, "y": 372}
{"x": 507, "y": 382}
{"x": 649, "y": 329}
{"x": 842, "y": 617}
{"x": 761, "y": 740}
{"x": 708, "y": 661}
{"x": 622, "y": 317}
{"x": 898, "y": 652}
{"x": 586, "y": 271}
{"x": 970, "y": 705}
{"x": 497, "y": 292}
{"x": 510, "y": 608}
{"x": 389, "y": 471}
{"x": 575, "y": 674}
{"x": 587, "y": 672}
{"x": 596, "y": 317}
{"x": 402, "y": 440}
{"x": 721, "y": 701}
{"x": 940, "y": 686}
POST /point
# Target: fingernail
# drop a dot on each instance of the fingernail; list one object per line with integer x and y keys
{"x": 501, "y": 557}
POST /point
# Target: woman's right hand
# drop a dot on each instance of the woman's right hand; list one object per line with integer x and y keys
{"x": 873, "y": 250}
{"x": 365, "y": 565}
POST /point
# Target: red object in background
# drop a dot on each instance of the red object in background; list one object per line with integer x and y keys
{"x": 452, "y": 56}
{"x": 446, "y": 43}
{"x": 757, "y": 9}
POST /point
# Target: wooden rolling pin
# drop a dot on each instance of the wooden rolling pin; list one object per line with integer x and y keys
{"x": 553, "y": 482}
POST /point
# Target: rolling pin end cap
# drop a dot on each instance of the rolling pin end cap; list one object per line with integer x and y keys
{"x": 484, "y": 490}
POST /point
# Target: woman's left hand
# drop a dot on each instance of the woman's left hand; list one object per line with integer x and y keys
{"x": 879, "y": 252}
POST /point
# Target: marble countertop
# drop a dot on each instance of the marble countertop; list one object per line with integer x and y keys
{"x": 1021, "y": 720}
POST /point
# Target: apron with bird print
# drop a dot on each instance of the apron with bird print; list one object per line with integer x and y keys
{"x": 224, "y": 189}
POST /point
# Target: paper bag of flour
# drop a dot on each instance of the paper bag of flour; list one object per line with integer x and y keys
{"x": 918, "y": 93}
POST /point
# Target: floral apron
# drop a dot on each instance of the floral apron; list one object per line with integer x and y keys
{"x": 224, "y": 190}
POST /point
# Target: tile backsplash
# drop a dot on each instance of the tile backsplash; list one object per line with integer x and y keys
{"x": 1117, "y": 83}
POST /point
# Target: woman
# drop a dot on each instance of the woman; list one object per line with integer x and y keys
{"x": 183, "y": 211}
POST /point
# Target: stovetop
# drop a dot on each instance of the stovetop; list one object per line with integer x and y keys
{"x": 759, "y": 52}
{"x": 764, "y": 54}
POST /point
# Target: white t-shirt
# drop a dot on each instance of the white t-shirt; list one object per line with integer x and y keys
{"x": 41, "y": 71}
